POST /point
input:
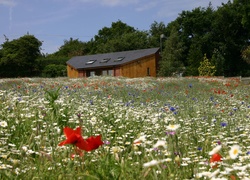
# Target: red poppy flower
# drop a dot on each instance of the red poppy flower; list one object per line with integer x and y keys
{"x": 73, "y": 137}
{"x": 215, "y": 158}
{"x": 93, "y": 142}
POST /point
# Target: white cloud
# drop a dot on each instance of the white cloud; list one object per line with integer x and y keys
{"x": 118, "y": 2}
{"x": 9, "y": 3}
{"x": 147, "y": 6}
{"x": 110, "y": 3}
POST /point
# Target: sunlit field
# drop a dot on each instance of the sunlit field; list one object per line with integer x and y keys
{"x": 164, "y": 128}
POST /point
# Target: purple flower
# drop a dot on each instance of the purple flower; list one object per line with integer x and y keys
{"x": 79, "y": 115}
{"x": 91, "y": 102}
{"x": 106, "y": 142}
{"x": 170, "y": 133}
{"x": 156, "y": 149}
{"x": 163, "y": 166}
{"x": 223, "y": 124}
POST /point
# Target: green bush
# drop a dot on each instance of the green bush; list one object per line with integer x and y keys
{"x": 53, "y": 70}
{"x": 206, "y": 68}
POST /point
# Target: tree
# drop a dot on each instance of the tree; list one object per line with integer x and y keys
{"x": 119, "y": 37}
{"x": 194, "y": 58}
{"x": 218, "y": 60}
{"x": 128, "y": 41}
{"x": 19, "y": 55}
{"x": 230, "y": 36}
{"x": 171, "y": 57}
{"x": 195, "y": 33}
{"x": 70, "y": 48}
{"x": 155, "y": 32}
{"x": 220, "y": 34}
{"x": 244, "y": 8}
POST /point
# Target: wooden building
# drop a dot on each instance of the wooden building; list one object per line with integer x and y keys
{"x": 135, "y": 63}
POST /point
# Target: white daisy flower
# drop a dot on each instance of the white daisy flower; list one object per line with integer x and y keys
{"x": 203, "y": 174}
{"x": 151, "y": 163}
{"x": 215, "y": 150}
{"x": 173, "y": 127}
{"x": 214, "y": 174}
{"x": 155, "y": 162}
{"x": 3, "y": 124}
{"x": 234, "y": 151}
{"x": 140, "y": 139}
{"x": 160, "y": 143}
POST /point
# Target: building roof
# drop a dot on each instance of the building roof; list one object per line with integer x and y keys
{"x": 109, "y": 59}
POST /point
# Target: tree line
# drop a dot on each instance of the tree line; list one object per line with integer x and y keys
{"x": 218, "y": 36}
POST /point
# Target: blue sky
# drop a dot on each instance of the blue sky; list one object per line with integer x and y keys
{"x": 53, "y": 21}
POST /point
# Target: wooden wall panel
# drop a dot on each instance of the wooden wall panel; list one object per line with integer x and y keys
{"x": 140, "y": 68}
{"x": 71, "y": 72}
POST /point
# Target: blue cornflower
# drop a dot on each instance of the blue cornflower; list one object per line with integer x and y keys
{"x": 223, "y": 124}
{"x": 172, "y": 109}
{"x": 199, "y": 148}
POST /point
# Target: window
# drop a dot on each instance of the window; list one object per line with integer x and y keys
{"x": 90, "y": 62}
{"x": 92, "y": 73}
{"x": 104, "y": 73}
{"x": 105, "y": 60}
{"x": 148, "y": 71}
{"x": 119, "y": 59}
{"x": 110, "y": 72}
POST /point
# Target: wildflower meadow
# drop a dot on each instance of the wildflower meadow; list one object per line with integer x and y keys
{"x": 119, "y": 128}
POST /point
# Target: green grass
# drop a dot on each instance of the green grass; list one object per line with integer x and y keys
{"x": 209, "y": 111}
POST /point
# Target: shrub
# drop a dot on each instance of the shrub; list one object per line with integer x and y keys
{"x": 206, "y": 68}
{"x": 54, "y": 70}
